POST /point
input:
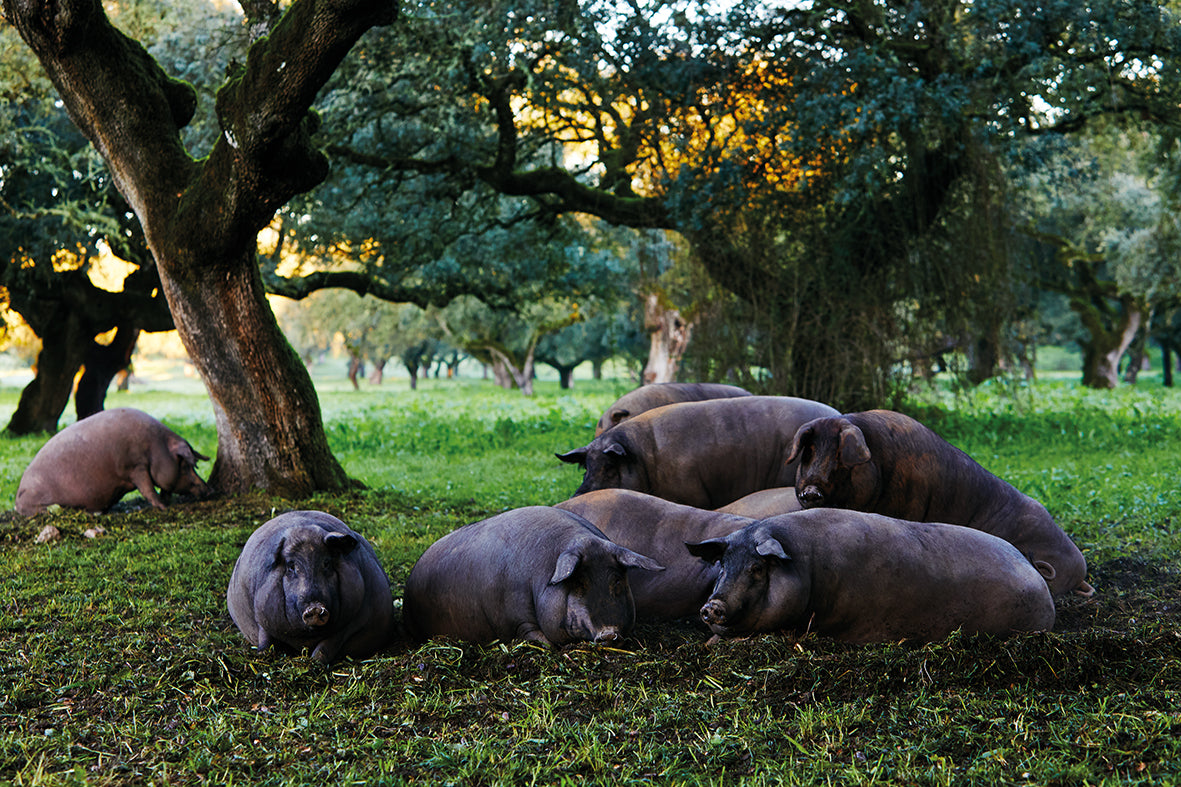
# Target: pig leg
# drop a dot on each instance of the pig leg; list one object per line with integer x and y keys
{"x": 530, "y": 633}
{"x": 143, "y": 482}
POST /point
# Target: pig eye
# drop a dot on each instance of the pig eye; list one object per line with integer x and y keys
{"x": 758, "y": 570}
{"x": 618, "y": 586}
{"x": 292, "y": 570}
{"x": 327, "y": 566}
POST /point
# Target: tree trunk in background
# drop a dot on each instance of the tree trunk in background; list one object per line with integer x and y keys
{"x": 101, "y": 363}
{"x": 1103, "y": 350}
{"x": 63, "y": 339}
{"x": 356, "y": 369}
{"x": 510, "y": 373}
{"x": 377, "y": 376}
{"x": 670, "y": 335}
{"x": 1137, "y": 354}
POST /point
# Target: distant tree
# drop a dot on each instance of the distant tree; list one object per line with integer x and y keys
{"x": 1114, "y": 243}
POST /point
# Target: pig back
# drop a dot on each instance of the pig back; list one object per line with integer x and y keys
{"x": 649, "y": 397}
{"x": 709, "y": 454}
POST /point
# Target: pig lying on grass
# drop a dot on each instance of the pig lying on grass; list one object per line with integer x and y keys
{"x": 91, "y": 464}
{"x": 888, "y": 463}
{"x": 534, "y": 573}
{"x": 306, "y": 580}
{"x": 868, "y": 578}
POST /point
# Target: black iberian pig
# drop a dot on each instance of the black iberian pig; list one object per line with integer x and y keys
{"x": 534, "y": 573}
{"x": 648, "y": 397}
{"x": 92, "y": 463}
{"x": 307, "y": 580}
{"x": 659, "y": 529}
{"x": 889, "y": 463}
{"x": 862, "y": 577}
{"x": 703, "y": 454}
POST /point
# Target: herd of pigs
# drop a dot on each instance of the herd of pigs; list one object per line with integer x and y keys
{"x": 756, "y": 513}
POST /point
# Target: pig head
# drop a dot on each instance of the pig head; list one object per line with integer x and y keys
{"x": 703, "y": 454}
{"x": 888, "y": 463}
{"x": 867, "y": 578}
{"x": 533, "y": 573}
{"x": 305, "y": 580}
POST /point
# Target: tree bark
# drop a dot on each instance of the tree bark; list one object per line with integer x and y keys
{"x": 670, "y": 335}
{"x": 201, "y": 219}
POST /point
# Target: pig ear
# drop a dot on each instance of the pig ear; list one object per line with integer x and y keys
{"x": 615, "y": 449}
{"x": 575, "y": 457}
{"x": 1045, "y": 569}
{"x": 340, "y": 542}
{"x": 854, "y": 451}
{"x": 630, "y": 559}
{"x": 279, "y": 561}
{"x": 802, "y": 434}
{"x": 619, "y": 415}
{"x": 769, "y": 547}
{"x": 710, "y": 551}
{"x": 567, "y": 563}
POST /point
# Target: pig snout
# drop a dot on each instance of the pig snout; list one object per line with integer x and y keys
{"x": 609, "y": 634}
{"x": 714, "y": 612}
{"x": 811, "y": 496}
{"x": 315, "y": 614}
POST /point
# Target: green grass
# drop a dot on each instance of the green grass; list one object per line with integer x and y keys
{"x": 119, "y": 664}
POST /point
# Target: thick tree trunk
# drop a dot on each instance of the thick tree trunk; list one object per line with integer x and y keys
{"x": 412, "y": 372}
{"x": 270, "y": 433}
{"x": 565, "y": 377}
{"x": 670, "y": 335}
{"x": 1166, "y": 360}
{"x": 1137, "y": 355}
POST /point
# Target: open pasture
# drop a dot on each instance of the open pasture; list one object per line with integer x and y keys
{"x": 119, "y": 663}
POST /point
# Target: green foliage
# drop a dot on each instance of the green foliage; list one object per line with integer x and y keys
{"x": 119, "y": 663}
